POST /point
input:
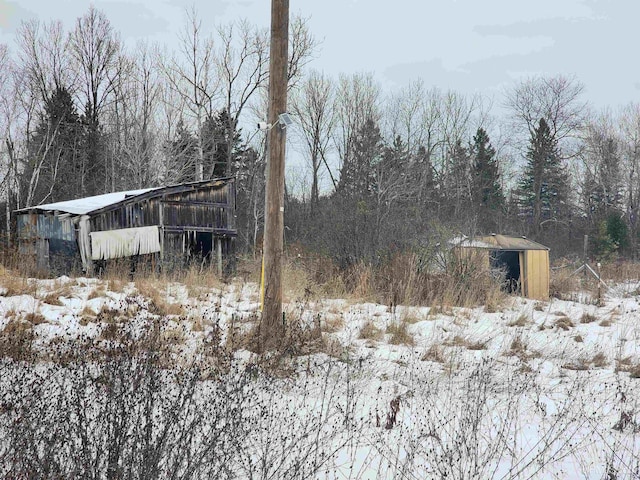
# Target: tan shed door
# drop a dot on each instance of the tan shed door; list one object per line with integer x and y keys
{"x": 523, "y": 274}
{"x": 537, "y": 274}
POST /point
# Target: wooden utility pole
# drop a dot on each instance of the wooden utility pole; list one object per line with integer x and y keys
{"x": 272, "y": 326}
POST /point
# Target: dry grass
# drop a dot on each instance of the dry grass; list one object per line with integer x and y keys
{"x": 564, "y": 323}
{"x": 197, "y": 280}
{"x": 563, "y": 284}
{"x": 98, "y": 292}
{"x": 622, "y": 271}
{"x": 434, "y": 354}
{"x": 110, "y": 315}
{"x": 606, "y": 322}
{"x": 35, "y": 318}
{"x": 16, "y": 339}
{"x": 173, "y": 335}
{"x": 400, "y": 334}
{"x": 52, "y": 298}
{"x": 456, "y": 341}
{"x": 332, "y": 323}
{"x": 16, "y": 284}
{"x": 401, "y": 280}
{"x": 410, "y": 316}
{"x": 477, "y": 346}
{"x": 588, "y": 318}
{"x": 197, "y": 324}
{"x": 599, "y": 360}
{"x": 521, "y": 321}
{"x": 369, "y": 331}
{"x": 155, "y": 292}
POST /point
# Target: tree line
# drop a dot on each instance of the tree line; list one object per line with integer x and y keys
{"x": 81, "y": 114}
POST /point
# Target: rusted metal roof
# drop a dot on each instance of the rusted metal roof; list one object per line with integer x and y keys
{"x": 501, "y": 242}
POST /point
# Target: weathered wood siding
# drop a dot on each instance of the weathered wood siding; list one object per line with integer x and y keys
{"x": 205, "y": 209}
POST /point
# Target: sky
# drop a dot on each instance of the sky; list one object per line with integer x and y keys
{"x": 472, "y": 46}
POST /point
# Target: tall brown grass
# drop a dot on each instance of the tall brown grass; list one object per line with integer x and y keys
{"x": 402, "y": 280}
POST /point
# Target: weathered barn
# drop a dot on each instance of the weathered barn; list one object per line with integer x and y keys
{"x": 524, "y": 262}
{"x": 171, "y": 223}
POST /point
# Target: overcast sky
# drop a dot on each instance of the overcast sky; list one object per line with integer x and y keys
{"x": 466, "y": 45}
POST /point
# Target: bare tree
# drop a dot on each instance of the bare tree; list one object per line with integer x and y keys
{"x": 8, "y": 114}
{"x": 242, "y": 67}
{"x": 131, "y": 121}
{"x": 95, "y": 47}
{"x": 357, "y": 100}
{"x": 556, "y": 99}
{"x": 312, "y": 104}
{"x": 44, "y": 53}
{"x": 301, "y": 47}
{"x": 193, "y": 79}
{"x": 629, "y": 124}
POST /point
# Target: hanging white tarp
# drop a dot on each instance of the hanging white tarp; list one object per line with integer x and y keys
{"x": 125, "y": 242}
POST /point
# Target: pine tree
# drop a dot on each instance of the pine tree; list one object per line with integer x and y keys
{"x": 222, "y": 145}
{"x": 356, "y": 175}
{"x": 488, "y": 198}
{"x": 543, "y": 189}
{"x": 53, "y": 171}
{"x": 458, "y": 192}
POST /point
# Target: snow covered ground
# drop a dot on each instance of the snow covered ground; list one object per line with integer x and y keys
{"x": 533, "y": 390}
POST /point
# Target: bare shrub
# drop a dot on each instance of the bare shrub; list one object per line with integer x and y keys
{"x": 468, "y": 427}
{"x": 563, "y": 283}
{"x": 620, "y": 271}
{"x": 16, "y": 339}
{"x": 119, "y": 414}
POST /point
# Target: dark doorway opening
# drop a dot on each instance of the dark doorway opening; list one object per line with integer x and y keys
{"x": 198, "y": 246}
{"x": 508, "y": 262}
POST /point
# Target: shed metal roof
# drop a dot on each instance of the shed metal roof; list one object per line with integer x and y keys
{"x": 501, "y": 242}
{"x": 82, "y": 206}
{"x": 97, "y": 203}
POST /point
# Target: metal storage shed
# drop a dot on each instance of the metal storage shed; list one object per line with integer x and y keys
{"x": 525, "y": 262}
{"x": 170, "y": 222}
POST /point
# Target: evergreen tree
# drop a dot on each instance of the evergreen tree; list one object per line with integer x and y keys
{"x": 222, "y": 145}
{"x": 356, "y": 175}
{"x": 543, "y": 188}
{"x": 488, "y": 198}
{"x": 458, "y": 191}
{"x": 422, "y": 171}
{"x": 53, "y": 170}
{"x": 92, "y": 165}
{"x": 181, "y": 155}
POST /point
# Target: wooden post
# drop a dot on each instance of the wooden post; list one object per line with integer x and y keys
{"x": 272, "y": 327}
{"x": 161, "y": 230}
{"x": 219, "y": 256}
